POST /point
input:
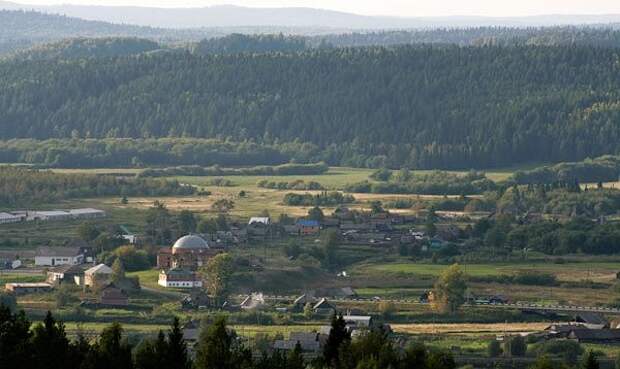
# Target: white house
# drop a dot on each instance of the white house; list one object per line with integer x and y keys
{"x": 259, "y": 220}
{"x": 179, "y": 278}
{"x": 53, "y": 256}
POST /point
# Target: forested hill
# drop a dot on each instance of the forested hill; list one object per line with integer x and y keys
{"x": 433, "y": 107}
{"x": 603, "y": 36}
{"x": 77, "y": 48}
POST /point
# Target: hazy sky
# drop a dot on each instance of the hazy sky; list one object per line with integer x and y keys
{"x": 393, "y": 7}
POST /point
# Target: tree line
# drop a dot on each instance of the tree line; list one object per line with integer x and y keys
{"x": 23, "y": 187}
{"x": 46, "y": 346}
{"x": 418, "y": 106}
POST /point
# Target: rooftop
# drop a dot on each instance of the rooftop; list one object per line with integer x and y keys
{"x": 190, "y": 242}
{"x": 58, "y": 251}
{"x": 99, "y": 269}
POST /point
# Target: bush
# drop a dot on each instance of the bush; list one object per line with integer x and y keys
{"x": 494, "y": 349}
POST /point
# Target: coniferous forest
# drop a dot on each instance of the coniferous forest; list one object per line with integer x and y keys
{"x": 416, "y": 106}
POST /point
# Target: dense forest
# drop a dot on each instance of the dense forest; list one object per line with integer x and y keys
{"x": 238, "y": 43}
{"x": 602, "y": 169}
{"x": 23, "y": 187}
{"x": 421, "y": 107}
{"x": 478, "y": 36}
{"x": 77, "y": 48}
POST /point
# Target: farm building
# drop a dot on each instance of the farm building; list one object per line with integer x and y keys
{"x": 53, "y": 256}
{"x": 25, "y": 288}
{"x": 65, "y": 274}
{"x": 87, "y": 213}
{"x": 7, "y": 218}
{"x": 179, "y": 278}
{"x": 595, "y": 336}
{"x": 51, "y": 215}
{"x": 97, "y": 275}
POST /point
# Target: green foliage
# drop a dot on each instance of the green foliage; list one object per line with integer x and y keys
{"x": 431, "y": 122}
{"x": 449, "y": 290}
{"x": 263, "y": 170}
{"x": 322, "y": 199}
{"x": 568, "y": 350}
{"x": 21, "y": 187}
{"x": 217, "y": 274}
{"x": 382, "y": 174}
{"x": 435, "y": 183}
{"x": 337, "y": 341}
{"x": 132, "y": 258}
{"x": 217, "y": 349}
{"x": 494, "y": 349}
{"x": 298, "y": 185}
{"x": 601, "y": 169}
{"x": 315, "y": 213}
{"x": 590, "y": 361}
{"x": 239, "y": 43}
{"x": 515, "y": 346}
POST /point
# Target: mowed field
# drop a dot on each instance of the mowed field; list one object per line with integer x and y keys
{"x": 597, "y": 271}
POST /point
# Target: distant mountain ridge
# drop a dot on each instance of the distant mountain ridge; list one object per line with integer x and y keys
{"x": 236, "y": 16}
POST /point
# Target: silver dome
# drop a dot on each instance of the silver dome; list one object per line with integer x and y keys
{"x": 190, "y": 242}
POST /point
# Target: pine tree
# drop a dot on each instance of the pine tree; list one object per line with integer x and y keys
{"x": 214, "y": 348}
{"x": 338, "y": 335}
{"x": 50, "y": 345}
{"x": 177, "y": 357}
{"x": 295, "y": 358}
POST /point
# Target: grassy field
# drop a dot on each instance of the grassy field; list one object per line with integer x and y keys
{"x": 573, "y": 271}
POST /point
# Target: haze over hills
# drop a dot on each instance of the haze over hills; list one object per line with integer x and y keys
{"x": 235, "y": 16}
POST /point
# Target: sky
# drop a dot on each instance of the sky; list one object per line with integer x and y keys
{"x": 404, "y": 8}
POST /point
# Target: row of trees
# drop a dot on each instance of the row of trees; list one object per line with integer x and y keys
{"x": 46, "y": 346}
{"x": 20, "y": 186}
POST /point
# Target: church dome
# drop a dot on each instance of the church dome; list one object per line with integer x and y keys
{"x": 190, "y": 242}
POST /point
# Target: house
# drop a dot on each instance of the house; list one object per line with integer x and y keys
{"x": 292, "y": 229}
{"x": 65, "y": 274}
{"x": 53, "y": 256}
{"x": 197, "y": 299}
{"x": 308, "y": 227}
{"x": 356, "y": 322}
{"x": 113, "y": 296}
{"x": 302, "y": 300}
{"x": 595, "y": 336}
{"x": 25, "y": 288}
{"x": 97, "y": 275}
{"x": 324, "y": 307}
{"x": 179, "y": 278}
{"x": 253, "y": 301}
{"x": 7, "y": 218}
{"x": 259, "y": 220}
{"x": 592, "y": 320}
{"x": 310, "y": 342}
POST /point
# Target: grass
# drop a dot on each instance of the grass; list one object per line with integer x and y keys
{"x": 573, "y": 271}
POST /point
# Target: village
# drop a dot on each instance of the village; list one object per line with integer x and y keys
{"x": 179, "y": 278}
